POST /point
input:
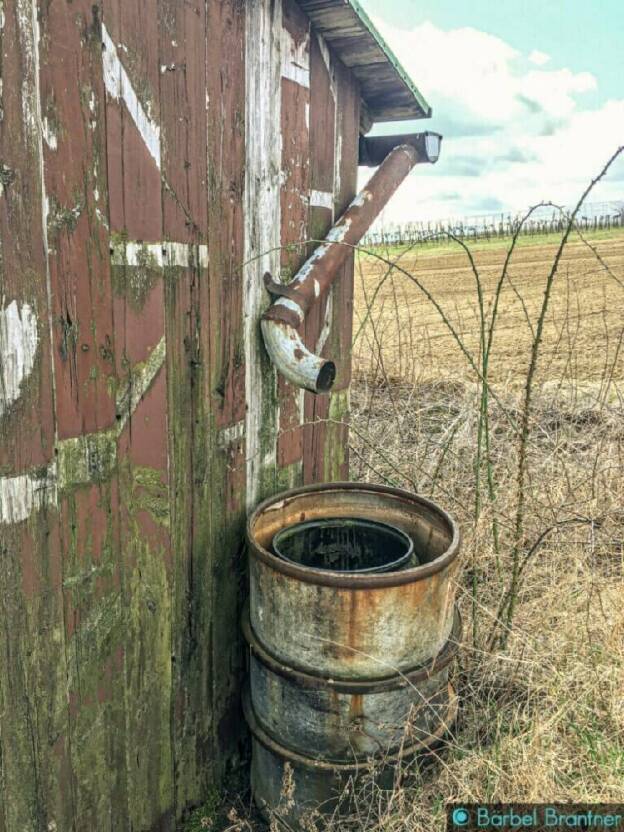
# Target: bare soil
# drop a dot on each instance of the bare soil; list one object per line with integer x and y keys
{"x": 405, "y": 337}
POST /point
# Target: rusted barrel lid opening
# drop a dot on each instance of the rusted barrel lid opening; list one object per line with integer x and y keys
{"x": 345, "y": 544}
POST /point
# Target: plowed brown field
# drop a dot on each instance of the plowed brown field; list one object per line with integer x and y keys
{"x": 402, "y": 335}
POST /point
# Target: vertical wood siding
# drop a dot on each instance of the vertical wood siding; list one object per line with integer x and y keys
{"x": 294, "y": 205}
{"x": 333, "y": 449}
{"x": 334, "y": 131}
{"x": 262, "y": 208}
{"x": 134, "y": 122}
{"x": 224, "y": 374}
{"x": 156, "y": 159}
{"x": 184, "y": 124}
{"x": 34, "y": 731}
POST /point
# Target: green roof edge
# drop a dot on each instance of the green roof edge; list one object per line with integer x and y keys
{"x": 422, "y": 103}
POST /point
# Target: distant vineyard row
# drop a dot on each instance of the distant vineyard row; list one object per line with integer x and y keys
{"x": 601, "y": 216}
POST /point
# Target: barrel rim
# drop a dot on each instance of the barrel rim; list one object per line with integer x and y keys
{"x": 300, "y": 760}
{"x": 344, "y": 579}
{"x": 365, "y": 685}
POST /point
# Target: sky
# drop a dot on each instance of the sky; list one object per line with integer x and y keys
{"x": 529, "y": 96}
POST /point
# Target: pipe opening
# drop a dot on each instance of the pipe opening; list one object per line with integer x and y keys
{"x": 326, "y": 377}
{"x": 345, "y": 544}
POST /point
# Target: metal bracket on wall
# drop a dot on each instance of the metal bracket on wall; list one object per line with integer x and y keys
{"x": 278, "y": 290}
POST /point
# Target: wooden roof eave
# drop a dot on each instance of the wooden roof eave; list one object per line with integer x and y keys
{"x": 388, "y": 92}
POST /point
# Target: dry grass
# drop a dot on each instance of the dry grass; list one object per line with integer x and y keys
{"x": 543, "y": 718}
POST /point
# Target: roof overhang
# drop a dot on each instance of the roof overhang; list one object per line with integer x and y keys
{"x": 387, "y": 91}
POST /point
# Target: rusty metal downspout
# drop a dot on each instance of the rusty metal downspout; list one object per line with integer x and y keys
{"x": 282, "y": 320}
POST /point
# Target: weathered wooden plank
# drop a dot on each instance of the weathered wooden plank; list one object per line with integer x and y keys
{"x": 131, "y": 61}
{"x": 322, "y": 118}
{"x": 35, "y": 781}
{"x": 85, "y": 373}
{"x": 183, "y": 39}
{"x": 224, "y": 377}
{"x": 294, "y": 210}
{"x": 262, "y": 234}
{"x": 132, "y": 76}
{"x": 322, "y": 151}
{"x": 26, "y": 412}
{"x": 338, "y": 343}
{"x": 96, "y": 633}
{"x": 34, "y": 731}
{"x": 191, "y": 666}
{"x": 144, "y": 520}
{"x": 329, "y": 330}
{"x": 75, "y": 181}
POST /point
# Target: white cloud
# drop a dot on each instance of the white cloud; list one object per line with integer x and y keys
{"x": 539, "y": 58}
{"x": 516, "y": 132}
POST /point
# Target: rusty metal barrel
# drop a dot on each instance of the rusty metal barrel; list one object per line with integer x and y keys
{"x": 344, "y": 654}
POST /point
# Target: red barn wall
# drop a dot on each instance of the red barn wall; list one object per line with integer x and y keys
{"x": 156, "y": 159}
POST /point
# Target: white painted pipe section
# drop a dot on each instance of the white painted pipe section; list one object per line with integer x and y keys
{"x": 294, "y": 360}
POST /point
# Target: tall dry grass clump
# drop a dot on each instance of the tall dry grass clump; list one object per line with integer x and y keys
{"x": 492, "y": 381}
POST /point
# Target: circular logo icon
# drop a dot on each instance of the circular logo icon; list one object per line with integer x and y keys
{"x": 460, "y": 817}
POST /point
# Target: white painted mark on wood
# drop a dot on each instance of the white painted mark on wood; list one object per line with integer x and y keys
{"x": 19, "y": 338}
{"x": 322, "y": 199}
{"x": 25, "y": 493}
{"x": 139, "y": 383}
{"x": 119, "y": 87}
{"x": 333, "y": 86}
{"x": 185, "y": 254}
{"x": 49, "y": 135}
{"x": 339, "y": 232}
{"x": 231, "y": 434}
{"x": 361, "y": 199}
{"x": 327, "y": 322}
{"x": 28, "y": 34}
{"x": 263, "y": 149}
{"x": 296, "y": 59}
{"x": 103, "y": 220}
{"x": 337, "y": 154}
{"x": 159, "y": 255}
{"x": 81, "y": 459}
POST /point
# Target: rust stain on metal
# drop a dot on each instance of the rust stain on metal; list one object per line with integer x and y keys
{"x": 337, "y": 614}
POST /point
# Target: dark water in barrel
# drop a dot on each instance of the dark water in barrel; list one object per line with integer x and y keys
{"x": 344, "y": 545}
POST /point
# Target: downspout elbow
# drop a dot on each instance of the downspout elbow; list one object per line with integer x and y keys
{"x": 294, "y": 360}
